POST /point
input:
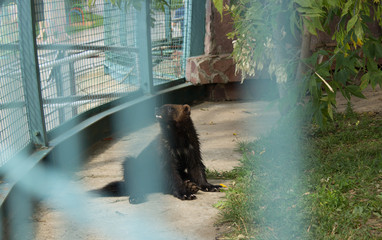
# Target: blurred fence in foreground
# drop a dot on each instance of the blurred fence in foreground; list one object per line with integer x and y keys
{"x": 59, "y": 59}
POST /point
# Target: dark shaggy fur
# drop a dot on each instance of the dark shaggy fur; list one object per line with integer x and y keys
{"x": 172, "y": 163}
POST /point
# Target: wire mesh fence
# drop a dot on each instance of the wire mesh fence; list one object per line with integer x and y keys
{"x": 85, "y": 56}
{"x": 12, "y": 97}
{"x": 78, "y": 72}
{"x": 169, "y": 36}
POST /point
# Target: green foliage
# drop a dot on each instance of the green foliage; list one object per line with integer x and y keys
{"x": 345, "y": 178}
{"x": 262, "y": 37}
{"x": 267, "y": 36}
{"x": 219, "y": 6}
{"x": 333, "y": 193}
{"x": 214, "y": 174}
{"x": 353, "y": 40}
{"x": 155, "y": 5}
{"x": 135, "y": 3}
{"x": 266, "y": 200}
{"x": 97, "y": 20}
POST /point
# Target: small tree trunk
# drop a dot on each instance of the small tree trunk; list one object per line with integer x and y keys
{"x": 283, "y": 88}
{"x": 305, "y": 53}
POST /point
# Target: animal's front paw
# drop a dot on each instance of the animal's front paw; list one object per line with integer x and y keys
{"x": 185, "y": 196}
{"x": 191, "y": 187}
{"x": 210, "y": 188}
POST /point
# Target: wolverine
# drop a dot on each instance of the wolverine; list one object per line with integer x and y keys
{"x": 172, "y": 163}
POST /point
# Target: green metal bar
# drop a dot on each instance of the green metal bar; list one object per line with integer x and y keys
{"x": 197, "y": 28}
{"x": 57, "y": 73}
{"x": 72, "y": 83}
{"x": 144, "y": 47}
{"x": 30, "y": 72}
{"x": 79, "y": 47}
{"x": 167, "y": 15}
{"x": 186, "y": 33}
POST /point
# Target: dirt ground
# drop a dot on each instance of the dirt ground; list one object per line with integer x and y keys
{"x": 221, "y": 126}
{"x": 372, "y": 103}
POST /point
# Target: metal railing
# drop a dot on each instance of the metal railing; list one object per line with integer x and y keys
{"x": 59, "y": 59}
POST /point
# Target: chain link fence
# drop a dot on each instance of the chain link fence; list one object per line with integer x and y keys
{"x": 59, "y": 59}
{"x": 13, "y": 112}
{"x": 169, "y": 35}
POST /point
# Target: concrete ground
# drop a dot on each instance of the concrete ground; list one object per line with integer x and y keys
{"x": 372, "y": 103}
{"x": 221, "y": 125}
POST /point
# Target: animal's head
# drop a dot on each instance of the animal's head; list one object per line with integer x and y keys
{"x": 173, "y": 113}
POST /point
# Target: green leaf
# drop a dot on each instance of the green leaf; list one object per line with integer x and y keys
{"x": 342, "y": 76}
{"x": 369, "y": 50}
{"x": 293, "y": 24}
{"x": 345, "y": 93}
{"x": 91, "y": 3}
{"x": 332, "y": 3}
{"x": 378, "y": 50}
{"x": 365, "y": 80}
{"x": 372, "y": 66}
{"x": 304, "y": 3}
{"x": 312, "y": 25}
{"x": 359, "y": 31}
{"x": 311, "y": 12}
{"x": 324, "y": 99}
{"x": 375, "y": 78}
{"x": 330, "y": 111}
{"x": 219, "y": 6}
{"x": 345, "y": 10}
{"x": 355, "y": 91}
{"x": 352, "y": 22}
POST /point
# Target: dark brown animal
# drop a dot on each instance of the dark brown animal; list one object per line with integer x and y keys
{"x": 171, "y": 163}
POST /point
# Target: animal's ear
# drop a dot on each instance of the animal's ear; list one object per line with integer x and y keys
{"x": 187, "y": 109}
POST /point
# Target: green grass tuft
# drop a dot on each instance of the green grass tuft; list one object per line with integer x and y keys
{"x": 226, "y": 175}
{"x": 91, "y": 21}
{"x": 315, "y": 185}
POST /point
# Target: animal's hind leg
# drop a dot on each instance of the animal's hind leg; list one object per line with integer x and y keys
{"x": 135, "y": 180}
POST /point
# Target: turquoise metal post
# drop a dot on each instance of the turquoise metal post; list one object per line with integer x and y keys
{"x": 30, "y": 72}
{"x": 197, "y": 28}
{"x": 186, "y": 33}
{"x": 167, "y": 21}
{"x": 145, "y": 65}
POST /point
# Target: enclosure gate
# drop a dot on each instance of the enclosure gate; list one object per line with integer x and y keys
{"x": 60, "y": 59}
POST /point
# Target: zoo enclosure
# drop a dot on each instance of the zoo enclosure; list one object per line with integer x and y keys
{"x": 61, "y": 60}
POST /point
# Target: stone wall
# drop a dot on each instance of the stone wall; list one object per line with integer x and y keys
{"x": 216, "y": 66}
{"x": 207, "y": 69}
{"x": 216, "y": 41}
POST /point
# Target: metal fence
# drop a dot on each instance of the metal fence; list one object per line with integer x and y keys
{"x": 61, "y": 58}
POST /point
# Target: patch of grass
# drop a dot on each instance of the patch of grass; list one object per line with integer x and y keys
{"x": 318, "y": 185}
{"x": 91, "y": 20}
{"x": 214, "y": 174}
{"x": 346, "y": 198}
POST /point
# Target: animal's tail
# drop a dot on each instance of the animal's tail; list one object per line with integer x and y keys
{"x": 113, "y": 189}
{"x": 117, "y": 188}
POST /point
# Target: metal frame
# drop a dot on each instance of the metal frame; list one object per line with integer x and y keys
{"x": 145, "y": 56}
{"x": 97, "y": 123}
{"x": 197, "y": 28}
{"x": 31, "y": 74}
{"x": 30, "y": 69}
